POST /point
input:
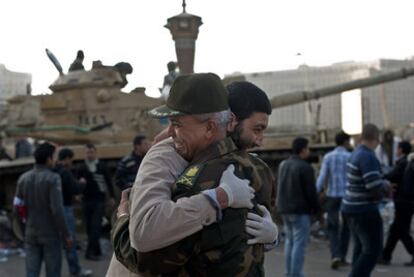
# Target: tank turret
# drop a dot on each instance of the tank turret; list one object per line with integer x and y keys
{"x": 85, "y": 106}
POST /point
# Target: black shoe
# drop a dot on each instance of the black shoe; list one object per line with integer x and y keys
{"x": 336, "y": 262}
{"x": 92, "y": 257}
{"x": 382, "y": 261}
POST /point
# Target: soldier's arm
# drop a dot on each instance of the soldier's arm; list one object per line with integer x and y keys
{"x": 155, "y": 220}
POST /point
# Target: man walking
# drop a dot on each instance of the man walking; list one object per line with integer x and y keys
{"x": 296, "y": 201}
{"x": 128, "y": 167}
{"x": 332, "y": 178}
{"x": 400, "y": 228}
{"x": 70, "y": 189}
{"x": 39, "y": 198}
{"x": 364, "y": 191}
{"x": 98, "y": 190}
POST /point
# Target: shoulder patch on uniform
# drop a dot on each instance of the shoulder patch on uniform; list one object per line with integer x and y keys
{"x": 189, "y": 175}
{"x": 192, "y": 171}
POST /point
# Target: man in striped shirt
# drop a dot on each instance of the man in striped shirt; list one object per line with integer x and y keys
{"x": 364, "y": 190}
{"x": 332, "y": 178}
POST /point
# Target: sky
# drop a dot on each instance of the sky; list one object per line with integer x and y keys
{"x": 237, "y": 35}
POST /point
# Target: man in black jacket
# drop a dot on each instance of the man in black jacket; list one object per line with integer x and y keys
{"x": 70, "y": 188}
{"x": 296, "y": 201}
{"x": 128, "y": 167}
{"x": 400, "y": 228}
{"x": 98, "y": 189}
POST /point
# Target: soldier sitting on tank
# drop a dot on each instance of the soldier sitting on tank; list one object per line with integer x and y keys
{"x": 169, "y": 79}
{"x": 78, "y": 62}
{"x": 124, "y": 69}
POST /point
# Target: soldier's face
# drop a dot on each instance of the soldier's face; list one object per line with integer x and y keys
{"x": 189, "y": 135}
{"x": 90, "y": 154}
{"x": 249, "y": 132}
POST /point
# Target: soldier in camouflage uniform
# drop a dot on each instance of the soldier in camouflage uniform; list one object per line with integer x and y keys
{"x": 199, "y": 254}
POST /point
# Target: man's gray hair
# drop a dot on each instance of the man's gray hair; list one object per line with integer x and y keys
{"x": 221, "y": 118}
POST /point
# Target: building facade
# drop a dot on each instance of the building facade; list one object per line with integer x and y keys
{"x": 13, "y": 83}
{"x": 387, "y": 105}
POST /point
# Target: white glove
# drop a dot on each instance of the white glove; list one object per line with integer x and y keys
{"x": 238, "y": 191}
{"x": 261, "y": 228}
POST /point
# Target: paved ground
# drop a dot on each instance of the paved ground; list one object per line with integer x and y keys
{"x": 316, "y": 264}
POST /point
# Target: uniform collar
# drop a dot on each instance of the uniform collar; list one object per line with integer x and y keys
{"x": 215, "y": 150}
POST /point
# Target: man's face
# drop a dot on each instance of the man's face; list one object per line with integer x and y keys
{"x": 142, "y": 149}
{"x": 305, "y": 153}
{"x": 188, "y": 134}
{"x": 90, "y": 154}
{"x": 249, "y": 132}
{"x": 67, "y": 162}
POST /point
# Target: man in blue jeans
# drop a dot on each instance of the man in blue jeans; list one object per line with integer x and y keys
{"x": 364, "y": 191}
{"x": 296, "y": 201}
{"x": 70, "y": 188}
{"x": 38, "y": 201}
{"x": 332, "y": 178}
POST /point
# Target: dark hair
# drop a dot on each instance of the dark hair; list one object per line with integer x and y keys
{"x": 299, "y": 144}
{"x": 405, "y": 147}
{"x": 138, "y": 140}
{"x": 245, "y": 98}
{"x": 90, "y": 146}
{"x": 341, "y": 138}
{"x": 65, "y": 153}
{"x": 370, "y": 132}
{"x": 43, "y": 152}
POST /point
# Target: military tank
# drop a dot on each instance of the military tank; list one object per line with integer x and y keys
{"x": 85, "y": 106}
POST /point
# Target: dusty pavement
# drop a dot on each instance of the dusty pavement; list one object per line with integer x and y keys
{"x": 316, "y": 263}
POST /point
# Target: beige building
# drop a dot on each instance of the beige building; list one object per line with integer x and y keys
{"x": 390, "y": 104}
{"x": 13, "y": 83}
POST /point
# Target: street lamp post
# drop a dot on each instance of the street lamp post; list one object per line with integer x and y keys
{"x": 184, "y": 30}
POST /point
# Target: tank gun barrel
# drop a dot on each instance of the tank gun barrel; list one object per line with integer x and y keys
{"x": 302, "y": 96}
{"x": 54, "y": 60}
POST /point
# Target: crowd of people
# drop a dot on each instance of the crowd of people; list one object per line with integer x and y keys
{"x": 198, "y": 203}
{"x": 44, "y": 203}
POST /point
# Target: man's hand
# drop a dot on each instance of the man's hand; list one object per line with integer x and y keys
{"x": 263, "y": 229}
{"x": 123, "y": 207}
{"x": 239, "y": 193}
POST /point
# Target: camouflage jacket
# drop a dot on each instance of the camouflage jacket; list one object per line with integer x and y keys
{"x": 220, "y": 249}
